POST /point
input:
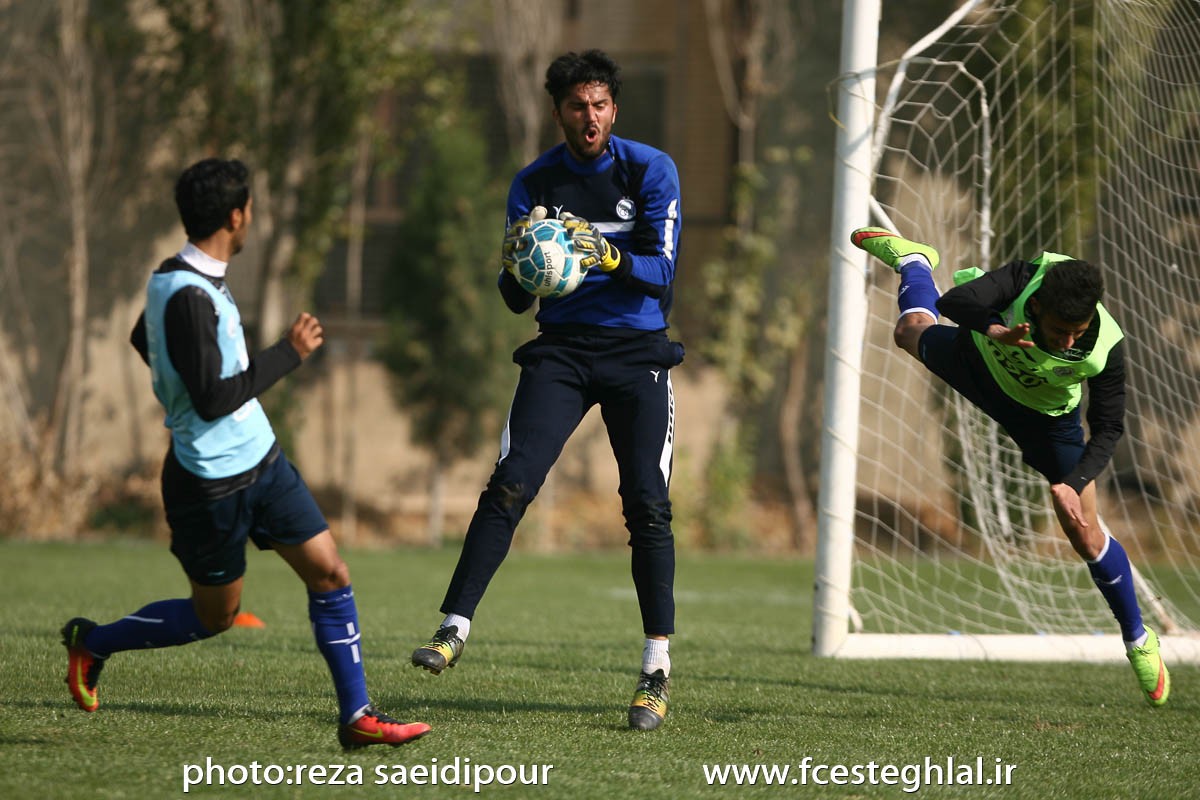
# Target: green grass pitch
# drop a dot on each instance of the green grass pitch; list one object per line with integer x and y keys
{"x": 545, "y": 679}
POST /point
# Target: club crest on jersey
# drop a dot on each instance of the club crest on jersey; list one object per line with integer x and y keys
{"x": 625, "y": 208}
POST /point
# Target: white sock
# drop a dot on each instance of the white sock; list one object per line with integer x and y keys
{"x": 913, "y": 258}
{"x": 462, "y": 623}
{"x": 656, "y": 657}
{"x": 1138, "y": 642}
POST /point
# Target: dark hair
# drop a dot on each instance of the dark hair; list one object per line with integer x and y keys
{"x": 1071, "y": 289}
{"x": 572, "y": 69}
{"x": 208, "y": 192}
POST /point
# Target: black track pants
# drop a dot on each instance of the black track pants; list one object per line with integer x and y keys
{"x": 562, "y": 377}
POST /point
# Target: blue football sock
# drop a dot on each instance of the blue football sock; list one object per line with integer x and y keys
{"x": 1114, "y": 577}
{"x": 335, "y": 626}
{"x": 917, "y": 289}
{"x": 161, "y": 624}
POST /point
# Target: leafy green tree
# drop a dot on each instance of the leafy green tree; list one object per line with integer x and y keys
{"x": 752, "y": 327}
{"x": 288, "y": 87}
{"x": 1052, "y": 101}
{"x": 449, "y": 335}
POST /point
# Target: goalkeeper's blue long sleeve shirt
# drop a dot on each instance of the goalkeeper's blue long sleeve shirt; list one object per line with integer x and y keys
{"x": 631, "y": 194}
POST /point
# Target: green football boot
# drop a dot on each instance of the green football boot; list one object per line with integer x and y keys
{"x": 890, "y": 248}
{"x": 1150, "y": 670}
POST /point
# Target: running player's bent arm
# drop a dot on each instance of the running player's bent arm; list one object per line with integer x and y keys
{"x": 190, "y": 323}
{"x": 1106, "y": 419}
{"x": 977, "y": 304}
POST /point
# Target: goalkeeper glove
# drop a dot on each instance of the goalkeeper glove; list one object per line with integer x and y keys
{"x": 514, "y": 233}
{"x": 592, "y": 249}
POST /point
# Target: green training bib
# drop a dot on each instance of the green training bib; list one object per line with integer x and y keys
{"x": 1033, "y": 377}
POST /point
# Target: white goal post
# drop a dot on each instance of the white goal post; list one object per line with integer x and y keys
{"x": 1011, "y": 129}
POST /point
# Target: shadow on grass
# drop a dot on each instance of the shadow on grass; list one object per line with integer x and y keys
{"x": 490, "y": 705}
{"x": 591, "y": 716}
{"x": 386, "y": 702}
{"x": 152, "y": 707}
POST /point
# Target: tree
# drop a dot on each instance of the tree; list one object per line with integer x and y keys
{"x": 449, "y": 333}
{"x": 292, "y": 87}
{"x": 527, "y": 36}
{"x": 753, "y": 327}
{"x": 288, "y": 85}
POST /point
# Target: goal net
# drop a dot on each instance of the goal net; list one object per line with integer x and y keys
{"x": 1071, "y": 127}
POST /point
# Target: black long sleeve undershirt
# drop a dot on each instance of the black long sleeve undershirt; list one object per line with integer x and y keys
{"x": 978, "y": 303}
{"x": 517, "y": 299}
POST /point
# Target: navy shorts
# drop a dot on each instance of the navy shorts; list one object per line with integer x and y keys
{"x": 209, "y": 537}
{"x": 1051, "y": 445}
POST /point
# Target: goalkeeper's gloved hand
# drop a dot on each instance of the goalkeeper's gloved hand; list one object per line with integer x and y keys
{"x": 514, "y": 234}
{"x": 592, "y": 249}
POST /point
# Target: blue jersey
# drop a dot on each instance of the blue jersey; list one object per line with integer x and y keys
{"x": 232, "y": 443}
{"x": 631, "y": 194}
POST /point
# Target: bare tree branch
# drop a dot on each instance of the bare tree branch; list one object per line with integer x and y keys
{"x": 76, "y": 114}
{"x": 527, "y": 36}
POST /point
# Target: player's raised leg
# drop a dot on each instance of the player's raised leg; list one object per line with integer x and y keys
{"x": 164, "y": 623}
{"x": 918, "y": 295}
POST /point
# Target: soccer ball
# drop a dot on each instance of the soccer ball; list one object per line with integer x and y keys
{"x": 546, "y": 264}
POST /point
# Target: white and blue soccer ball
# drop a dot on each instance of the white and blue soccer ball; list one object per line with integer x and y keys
{"x": 546, "y": 264}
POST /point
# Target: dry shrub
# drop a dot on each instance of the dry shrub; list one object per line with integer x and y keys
{"x": 572, "y": 521}
{"x": 130, "y": 504}
{"x": 35, "y": 503}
